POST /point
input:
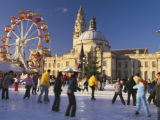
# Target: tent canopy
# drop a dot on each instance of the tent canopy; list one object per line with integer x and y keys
{"x": 69, "y": 69}
{"x": 7, "y": 66}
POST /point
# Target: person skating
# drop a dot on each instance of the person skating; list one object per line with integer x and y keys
{"x": 29, "y": 83}
{"x": 57, "y": 92}
{"x": 72, "y": 87}
{"x": 39, "y": 81}
{"x": 5, "y": 85}
{"x": 35, "y": 80}
{"x": 155, "y": 93}
{"x": 136, "y": 78}
{"x": 141, "y": 97}
{"x": 45, "y": 84}
{"x": 94, "y": 85}
{"x": 129, "y": 89}
{"x": 16, "y": 82}
{"x": 118, "y": 92}
{"x": 86, "y": 85}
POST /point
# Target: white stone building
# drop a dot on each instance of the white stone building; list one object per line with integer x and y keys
{"x": 115, "y": 63}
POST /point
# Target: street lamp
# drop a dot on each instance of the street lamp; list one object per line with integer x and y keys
{"x": 83, "y": 66}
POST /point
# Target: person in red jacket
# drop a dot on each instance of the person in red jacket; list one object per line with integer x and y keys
{"x": 16, "y": 82}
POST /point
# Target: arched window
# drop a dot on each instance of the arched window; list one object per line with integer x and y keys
{"x": 146, "y": 75}
{"x": 153, "y": 75}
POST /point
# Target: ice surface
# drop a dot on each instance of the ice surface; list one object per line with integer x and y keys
{"x": 16, "y": 108}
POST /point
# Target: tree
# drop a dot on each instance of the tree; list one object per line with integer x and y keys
{"x": 92, "y": 64}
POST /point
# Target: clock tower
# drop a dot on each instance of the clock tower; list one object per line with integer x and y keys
{"x": 79, "y": 27}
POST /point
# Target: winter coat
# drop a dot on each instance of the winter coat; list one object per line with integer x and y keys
{"x": 93, "y": 81}
{"x": 29, "y": 81}
{"x": 129, "y": 86}
{"x": 155, "y": 93}
{"x": 73, "y": 86}
{"x": 86, "y": 83}
{"x": 57, "y": 86}
{"x": 45, "y": 80}
{"x": 118, "y": 88}
{"x": 6, "y": 81}
{"x": 140, "y": 91}
{"x": 35, "y": 79}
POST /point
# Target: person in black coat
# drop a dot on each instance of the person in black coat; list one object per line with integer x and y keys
{"x": 129, "y": 89}
{"x": 57, "y": 92}
{"x": 72, "y": 87}
{"x": 155, "y": 93}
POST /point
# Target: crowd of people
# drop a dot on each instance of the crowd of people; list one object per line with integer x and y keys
{"x": 135, "y": 86}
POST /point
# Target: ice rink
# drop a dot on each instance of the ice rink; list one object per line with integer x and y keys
{"x": 16, "y": 108}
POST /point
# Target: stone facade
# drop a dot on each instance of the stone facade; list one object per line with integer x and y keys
{"x": 114, "y": 63}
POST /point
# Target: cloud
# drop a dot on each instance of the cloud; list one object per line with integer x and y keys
{"x": 62, "y": 9}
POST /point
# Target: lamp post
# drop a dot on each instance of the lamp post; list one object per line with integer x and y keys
{"x": 83, "y": 67}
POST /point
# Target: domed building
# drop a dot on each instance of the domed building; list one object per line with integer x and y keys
{"x": 114, "y": 63}
{"x": 92, "y": 38}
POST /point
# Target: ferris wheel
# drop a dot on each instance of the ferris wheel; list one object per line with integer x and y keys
{"x": 27, "y": 32}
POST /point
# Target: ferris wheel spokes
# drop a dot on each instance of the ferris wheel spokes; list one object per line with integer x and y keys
{"x": 16, "y": 35}
{"x": 29, "y": 39}
{"x": 26, "y": 26}
{"x": 31, "y": 34}
{"x": 28, "y": 31}
{"x": 22, "y": 29}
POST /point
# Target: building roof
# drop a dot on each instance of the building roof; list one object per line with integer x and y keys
{"x": 92, "y": 35}
{"x": 130, "y": 51}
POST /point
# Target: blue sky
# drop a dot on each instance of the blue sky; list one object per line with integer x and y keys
{"x": 125, "y": 23}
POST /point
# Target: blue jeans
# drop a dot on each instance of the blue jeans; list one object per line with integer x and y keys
{"x": 44, "y": 89}
{"x": 158, "y": 113}
{"x": 141, "y": 99}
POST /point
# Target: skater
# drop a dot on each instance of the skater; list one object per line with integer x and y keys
{"x": 155, "y": 93}
{"x": 45, "y": 84}
{"x": 57, "y": 92}
{"x": 118, "y": 91}
{"x": 5, "y": 85}
{"x": 39, "y": 81}
{"x": 129, "y": 89}
{"x": 72, "y": 87}
{"x": 29, "y": 84}
{"x": 35, "y": 80}
{"x": 101, "y": 83}
{"x": 141, "y": 97}
{"x": 94, "y": 85}
{"x": 16, "y": 82}
{"x": 86, "y": 85}
{"x": 136, "y": 77}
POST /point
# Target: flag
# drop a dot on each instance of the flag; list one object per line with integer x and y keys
{"x": 158, "y": 31}
{"x": 81, "y": 57}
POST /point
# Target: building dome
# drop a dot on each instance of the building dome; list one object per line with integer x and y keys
{"x": 92, "y": 35}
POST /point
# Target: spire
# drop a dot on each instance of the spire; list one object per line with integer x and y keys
{"x": 81, "y": 56}
{"x": 80, "y": 25}
{"x": 92, "y": 25}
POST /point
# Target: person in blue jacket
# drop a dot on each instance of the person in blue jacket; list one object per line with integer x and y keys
{"x": 72, "y": 87}
{"x": 141, "y": 97}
